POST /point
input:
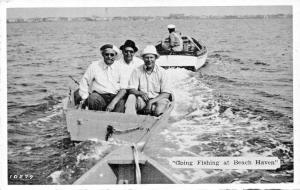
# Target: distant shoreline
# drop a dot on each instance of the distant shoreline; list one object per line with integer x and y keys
{"x": 147, "y": 18}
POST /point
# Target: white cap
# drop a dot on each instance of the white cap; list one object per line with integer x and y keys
{"x": 171, "y": 26}
{"x": 150, "y": 49}
{"x": 102, "y": 48}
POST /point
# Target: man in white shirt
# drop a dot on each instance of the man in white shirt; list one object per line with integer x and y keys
{"x": 129, "y": 61}
{"x": 105, "y": 81}
{"x": 148, "y": 86}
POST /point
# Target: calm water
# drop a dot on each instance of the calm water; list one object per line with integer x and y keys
{"x": 239, "y": 104}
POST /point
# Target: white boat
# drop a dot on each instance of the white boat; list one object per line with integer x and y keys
{"x": 101, "y": 125}
{"x": 192, "y": 57}
{"x": 127, "y": 164}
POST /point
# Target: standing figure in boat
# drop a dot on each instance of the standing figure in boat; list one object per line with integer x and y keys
{"x": 129, "y": 61}
{"x": 174, "y": 42}
{"x": 105, "y": 81}
{"x": 148, "y": 86}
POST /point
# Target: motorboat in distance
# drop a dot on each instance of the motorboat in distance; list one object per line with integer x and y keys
{"x": 192, "y": 57}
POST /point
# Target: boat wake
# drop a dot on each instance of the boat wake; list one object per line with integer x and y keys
{"x": 79, "y": 159}
{"x": 204, "y": 124}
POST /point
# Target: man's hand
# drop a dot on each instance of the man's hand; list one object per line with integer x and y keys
{"x": 145, "y": 96}
{"x": 148, "y": 108}
{"x": 110, "y": 107}
{"x": 81, "y": 103}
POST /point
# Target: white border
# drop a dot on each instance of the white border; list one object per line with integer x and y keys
{"x": 140, "y": 3}
{"x": 3, "y": 96}
{"x": 296, "y": 90}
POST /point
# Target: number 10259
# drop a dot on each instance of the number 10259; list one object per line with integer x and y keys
{"x": 20, "y": 176}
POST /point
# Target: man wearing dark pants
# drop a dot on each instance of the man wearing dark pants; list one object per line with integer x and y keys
{"x": 106, "y": 82}
{"x": 148, "y": 86}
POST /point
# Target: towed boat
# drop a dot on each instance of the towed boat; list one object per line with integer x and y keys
{"x": 126, "y": 164}
{"x": 192, "y": 57}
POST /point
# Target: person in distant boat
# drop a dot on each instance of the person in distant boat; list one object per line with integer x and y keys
{"x": 106, "y": 82}
{"x": 129, "y": 61}
{"x": 148, "y": 85}
{"x": 175, "y": 42}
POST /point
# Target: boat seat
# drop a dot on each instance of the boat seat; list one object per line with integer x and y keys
{"x": 189, "y": 49}
{"x": 125, "y": 156}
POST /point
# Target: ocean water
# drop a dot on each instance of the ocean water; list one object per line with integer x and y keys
{"x": 239, "y": 104}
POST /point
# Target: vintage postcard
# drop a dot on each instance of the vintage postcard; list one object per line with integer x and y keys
{"x": 176, "y": 94}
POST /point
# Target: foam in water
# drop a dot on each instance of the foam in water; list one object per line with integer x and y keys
{"x": 202, "y": 126}
{"x": 96, "y": 153}
{"x": 55, "y": 176}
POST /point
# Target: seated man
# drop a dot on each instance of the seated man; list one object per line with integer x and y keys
{"x": 129, "y": 61}
{"x": 106, "y": 81}
{"x": 148, "y": 86}
{"x": 173, "y": 42}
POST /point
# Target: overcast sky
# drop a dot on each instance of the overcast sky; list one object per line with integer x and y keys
{"x": 146, "y": 11}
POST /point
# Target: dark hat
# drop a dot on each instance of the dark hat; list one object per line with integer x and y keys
{"x": 129, "y": 43}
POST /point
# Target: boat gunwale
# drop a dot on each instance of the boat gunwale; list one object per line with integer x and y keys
{"x": 105, "y": 162}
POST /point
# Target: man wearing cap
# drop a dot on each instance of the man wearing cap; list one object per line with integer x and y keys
{"x": 129, "y": 61}
{"x": 148, "y": 85}
{"x": 106, "y": 82}
{"x": 175, "y": 41}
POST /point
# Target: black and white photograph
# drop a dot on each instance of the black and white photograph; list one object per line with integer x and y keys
{"x": 118, "y": 95}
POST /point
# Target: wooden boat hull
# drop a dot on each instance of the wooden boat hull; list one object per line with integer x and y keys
{"x": 118, "y": 168}
{"x": 182, "y": 61}
{"x": 94, "y": 125}
{"x": 86, "y": 125}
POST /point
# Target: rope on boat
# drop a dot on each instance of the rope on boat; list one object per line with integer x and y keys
{"x": 137, "y": 166}
{"x": 74, "y": 80}
{"x": 110, "y": 130}
{"x": 142, "y": 137}
{"x": 146, "y": 137}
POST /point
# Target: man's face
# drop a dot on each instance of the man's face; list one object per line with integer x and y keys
{"x": 128, "y": 53}
{"x": 109, "y": 56}
{"x": 149, "y": 60}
